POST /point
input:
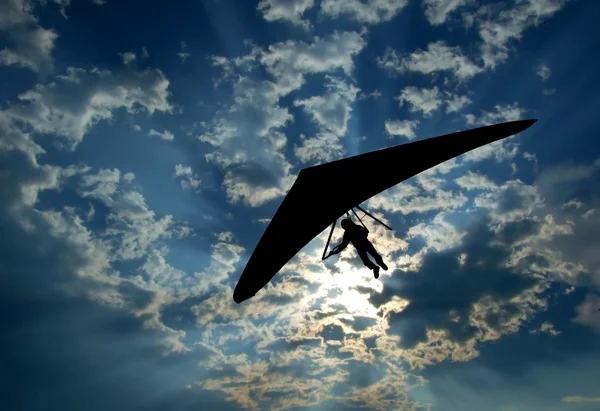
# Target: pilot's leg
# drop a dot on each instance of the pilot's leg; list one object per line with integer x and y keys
{"x": 371, "y": 250}
{"x": 362, "y": 253}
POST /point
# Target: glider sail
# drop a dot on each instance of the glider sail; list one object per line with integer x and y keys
{"x": 356, "y": 179}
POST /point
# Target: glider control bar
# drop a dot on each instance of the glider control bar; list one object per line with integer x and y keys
{"x": 373, "y": 217}
{"x": 328, "y": 240}
{"x": 358, "y": 218}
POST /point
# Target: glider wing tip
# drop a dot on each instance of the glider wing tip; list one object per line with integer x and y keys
{"x": 239, "y": 297}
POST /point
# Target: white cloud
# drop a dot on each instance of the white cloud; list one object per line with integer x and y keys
{"x": 475, "y": 181}
{"x": 128, "y": 57}
{"x": 247, "y": 136}
{"x": 549, "y": 91}
{"x": 439, "y": 234}
{"x": 189, "y": 180}
{"x": 288, "y": 62}
{"x": 375, "y": 94}
{"x": 424, "y": 100}
{"x": 165, "y": 135}
{"x": 438, "y": 57}
{"x": 546, "y": 328}
{"x": 331, "y": 112}
{"x": 101, "y": 186}
{"x": 505, "y": 149}
{"x": 73, "y": 103}
{"x": 456, "y": 103}
{"x": 543, "y": 71}
{"x": 368, "y": 12}
{"x": 286, "y": 10}
{"x": 437, "y": 11}
{"x": 501, "y": 113}
{"x": 131, "y": 224}
{"x": 256, "y": 172}
{"x": 404, "y": 128}
{"x": 587, "y": 312}
{"x": 408, "y": 199}
{"x": 499, "y": 29}
{"x": 32, "y": 44}
{"x": 512, "y": 201}
{"x": 325, "y": 146}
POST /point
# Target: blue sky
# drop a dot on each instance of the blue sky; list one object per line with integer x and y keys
{"x": 144, "y": 148}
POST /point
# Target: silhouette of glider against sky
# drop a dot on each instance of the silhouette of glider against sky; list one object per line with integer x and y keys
{"x": 357, "y": 179}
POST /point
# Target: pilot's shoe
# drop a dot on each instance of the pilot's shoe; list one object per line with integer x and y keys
{"x": 376, "y": 272}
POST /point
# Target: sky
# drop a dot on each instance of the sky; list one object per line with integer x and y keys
{"x": 144, "y": 149}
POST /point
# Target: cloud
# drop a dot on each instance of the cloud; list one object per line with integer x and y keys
{"x": 130, "y": 224}
{"x": 439, "y": 234}
{"x": 437, "y": 11}
{"x": 31, "y": 45}
{"x": 75, "y": 260}
{"x": 543, "y": 71}
{"x": 286, "y": 10}
{"x": 375, "y": 94}
{"x": 549, "y": 91}
{"x": 73, "y": 103}
{"x": 546, "y": 328}
{"x": 258, "y": 172}
{"x": 501, "y": 113}
{"x": 288, "y": 62}
{"x": 183, "y": 54}
{"x": 404, "y": 128}
{"x": 331, "y": 112}
{"x": 456, "y": 103}
{"x": 577, "y": 399}
{"x": 128, "y": 57}
{"x": 367, "y": 12}
{"x": 475, "y": 181}
{"x": 501, "y": 150}
{"x": 424, "y": 100}
{"x": 438, "y": 57}
{"x": 512, "y": 201}
{"x": 489, "y": 300}
{"x": 165, "y": 135}
{"x": 189, "y": 180}
{"x": 587, "y": 312}
{"x": 504, "y": 25}
{"x": 408, "y": 199}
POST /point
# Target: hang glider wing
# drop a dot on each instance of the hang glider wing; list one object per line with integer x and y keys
{"x": 340, "y": 185}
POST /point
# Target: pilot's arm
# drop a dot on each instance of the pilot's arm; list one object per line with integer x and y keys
{"x": 340, "y": 247}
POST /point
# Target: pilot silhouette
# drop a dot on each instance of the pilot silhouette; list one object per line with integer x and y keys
{"x": 357, "y": 235}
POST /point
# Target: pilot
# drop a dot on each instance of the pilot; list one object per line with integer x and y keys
{"x": 357, "y": 235}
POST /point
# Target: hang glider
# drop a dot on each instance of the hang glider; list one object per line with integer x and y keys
{"x": 356, "y": 179}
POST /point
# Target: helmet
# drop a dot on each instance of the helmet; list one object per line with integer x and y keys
{"x": 346, "y": 223}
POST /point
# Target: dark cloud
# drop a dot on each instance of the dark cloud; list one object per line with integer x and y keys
{"x": 514, "y": 231}
{"x": 332, "y": 332}
{"x": 443, "y": 292}
{"x": 60, "y": 350}
{"x": 359, "y": 323}
{"x": 283, "y": 344}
